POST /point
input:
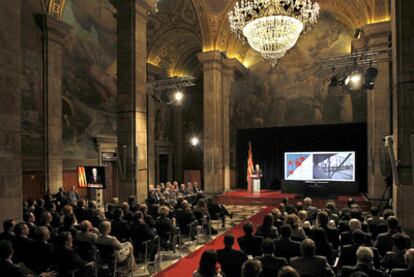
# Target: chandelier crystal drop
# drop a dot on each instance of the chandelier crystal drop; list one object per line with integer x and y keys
{"x": 272, "y": 27}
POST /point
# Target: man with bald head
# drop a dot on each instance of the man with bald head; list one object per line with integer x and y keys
{"x": 409, "y": 271}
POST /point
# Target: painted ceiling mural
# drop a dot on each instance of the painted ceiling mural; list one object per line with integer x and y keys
{"x": 295, "y": 91}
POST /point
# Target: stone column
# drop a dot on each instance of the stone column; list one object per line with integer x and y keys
{"x": 11, "y": 191}
{"x": 228, "y": 79}
{"x": 377, "y": 36}
{"x": 403, "y": 106}
{"x": 54, "y": 33}
{"x": 213, "y": 121}
{"x": 132, "y": 96}
{"x": 178, "y": 143}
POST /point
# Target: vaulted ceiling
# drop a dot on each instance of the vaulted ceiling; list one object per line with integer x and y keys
{"x": 183, "y": 28}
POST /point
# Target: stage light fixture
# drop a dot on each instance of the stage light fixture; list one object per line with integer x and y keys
{"x": 195, "y": 141}
{"x": 354, "y": 80}
{"x": 370, "y": 77}
{"x": 334, "y": 80}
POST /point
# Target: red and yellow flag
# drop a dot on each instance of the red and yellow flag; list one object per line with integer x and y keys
{"x": 250, "y": 164}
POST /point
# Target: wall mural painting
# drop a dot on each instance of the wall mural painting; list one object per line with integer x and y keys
{"x": 89, "y": 76}
{"x": 295, "y": 91}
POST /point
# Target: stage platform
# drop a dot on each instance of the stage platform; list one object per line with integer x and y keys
{"x": 274, "y": 197}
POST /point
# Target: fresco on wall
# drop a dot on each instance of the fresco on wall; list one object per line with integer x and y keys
{"x": 295, "y": 91}
{"x": 89, "y": 76}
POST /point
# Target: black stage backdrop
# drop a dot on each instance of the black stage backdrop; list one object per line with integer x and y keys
{"x": 270, "y": 144}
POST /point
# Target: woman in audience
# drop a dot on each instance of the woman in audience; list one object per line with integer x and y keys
{"x": 288, "y": 271}
{"x": 395, "y": 258}
{"x": 267, "y": 230}
{"x": 297, "y": 234}
{"x": 207, "y": 266}
{"x": 277, "y": 218}
{"x": 323, "y": 247}
{"x": 68, "y": 225}
{"x": 252, "y": 268}
{"x": 124, "y": 251}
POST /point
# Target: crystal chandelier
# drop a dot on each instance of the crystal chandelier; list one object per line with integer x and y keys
{"x": 272, "y": 27}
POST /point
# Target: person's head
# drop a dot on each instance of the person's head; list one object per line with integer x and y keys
{"x": 67, "y": 209}
{"x": 292, "y": 220}
{"x": 6, "y": 250}
{"x": 285, "y": 201}
{"x": 303, "y": 215}
{"x": 248, "y": 228}
{"x": 288, "y": 271}
{"x": 299, "y": 206}
{"x": 43, "y": 233}
{"x": 307, "y": 248}
{"x": 138, "y": 216}
{"x": 268, "y": 220}
{"x": 163, "y": 211}
{"x": 392, "y": 223}
{"x": 257, "y": 166}
{"x": 143, "y": 208}
{"x": 285, "y": 231}
{"x": 387, "y": 213}
{"x": 202, "y": 203}
{"x": 251, "y": 268}
{"x": 81, "y": 203}
{"x": 85, "y": 226}
{"x": 132, "y": 200}
{"x": 8, "y": 225}
{"x": 374, "y": 211}
{"x": 105, "y": 227}
{"x": 29, "y": 217}
{"x": 323, "y": 218}
{"x": 46, "y": 217}
{"x": 207, "y": 266}
{"x": 228, "y": 240}
{"x": 409, "y": 258}
{"x": 69, "y": 220}
{"x": 401, "y": 241}
{"x": 92, "y": 205}
{"x": 66, "y": 239}
{"x": 268, "y": 246}
{"x": 307, "y": 201}
{"x": 365, "y": 255}
{"x": 21, "y": 229}
{"x": 118, "y": 213}
{"x": 354, "y": 224}
{"x": 276, "y": 213}
{"x": 94, "y": 172}
{"x": 182, "y": 186}
{"x": 350, "y": 202}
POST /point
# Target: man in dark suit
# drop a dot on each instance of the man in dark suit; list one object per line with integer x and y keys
{"x": 348, "y": 252}
{"x": 312, "y": 210}
{"x": 270, "y": 263}
{"x": 288, "y": 208}
{"x": 409, "y": 271}
{"x": 285, "y": 247}
{"x": 331, "y": 232}
{"x": 230, "y": 260}
{"x": 22, "y": 244}
{"x": 365, "y": 258}
{"x": 44, "y": 257}
{"x": 384, "y": 241}
{"x": 354, "y": 224}
{"x": 8, "y": 226}
{"x": 141, "y": 232}
{"x": 68, "y": 260}
{"x": 249, "y": 243}
{"x": 309, "y": 264}
{"x": 120, "y": 228}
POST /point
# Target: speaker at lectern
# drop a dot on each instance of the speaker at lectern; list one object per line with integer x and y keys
{"x": 256, "y": 178}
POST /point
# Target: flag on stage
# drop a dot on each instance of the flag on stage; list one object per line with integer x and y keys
{"x": 250, "y": 168}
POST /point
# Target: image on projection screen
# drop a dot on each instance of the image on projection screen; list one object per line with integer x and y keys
{"x": 320, "y": 166}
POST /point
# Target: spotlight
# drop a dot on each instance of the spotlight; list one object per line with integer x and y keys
{"x": 370, "y": 77}
{"x": 354, "y": 80}
{"x": 178, "y": 97}
{"x": 195, "y": 141}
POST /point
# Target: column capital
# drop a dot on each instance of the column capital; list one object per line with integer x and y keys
{"x": 55, "y": 29}
{"x": 233, "y": 66}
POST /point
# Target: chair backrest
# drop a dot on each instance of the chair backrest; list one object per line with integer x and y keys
{"x": 106, "y": 253}
{"x": 86, "y": 250}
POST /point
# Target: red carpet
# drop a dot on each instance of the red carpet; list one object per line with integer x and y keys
{"x": 274, "y": 197}
{"x": 187, "y": 265}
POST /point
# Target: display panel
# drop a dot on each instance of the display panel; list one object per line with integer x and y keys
{"x": 91, "y": 177}
{"x": 320, "y": 166}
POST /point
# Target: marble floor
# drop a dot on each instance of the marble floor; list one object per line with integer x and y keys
{"x": 240, "y": 214}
